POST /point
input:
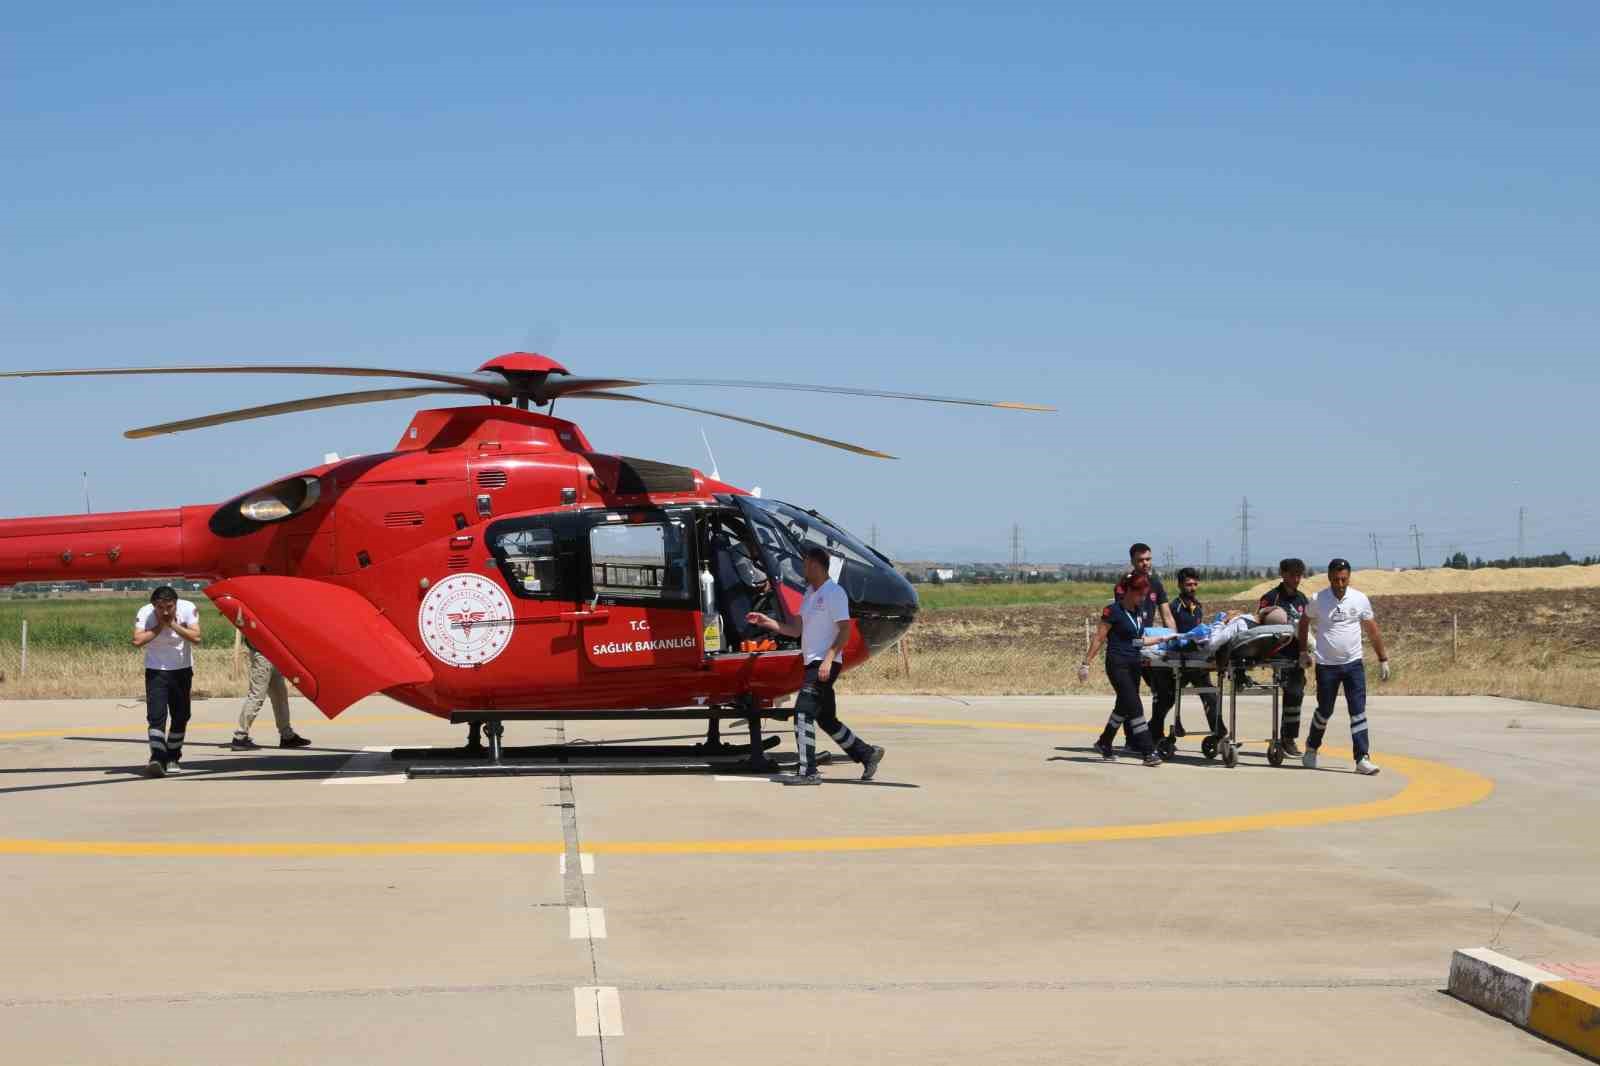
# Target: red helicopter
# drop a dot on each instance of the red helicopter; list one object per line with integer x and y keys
{"x": 494, "y": 566}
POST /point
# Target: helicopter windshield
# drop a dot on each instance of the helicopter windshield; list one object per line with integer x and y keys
{"x": 785, "y": 532}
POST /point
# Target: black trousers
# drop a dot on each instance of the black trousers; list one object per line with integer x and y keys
{"x": 1209, "y": 700}
{"x": 166, "y": 711}
{"x": 1129, "y": 711}
{"x": 1163, "y": 694}
{"x": 1294, "y": 694}
{"x": 818, "y": 706}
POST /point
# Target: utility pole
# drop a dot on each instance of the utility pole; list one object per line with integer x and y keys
{"x": 1016, "y": 551}
{"x": 1376, "y": 562}
{"x": 1522, "y": 529}
{"x": 86, "y": 508}
{"x": 873, "y": 538}
{"x": 1416, "y": 535}
{"x": 1244, "y": 536}
{"x": 1169, "y": 560}
{"x": 1208, "y": 553}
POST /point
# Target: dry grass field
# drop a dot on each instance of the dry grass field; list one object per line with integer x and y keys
{"x": 1540, "y": 645}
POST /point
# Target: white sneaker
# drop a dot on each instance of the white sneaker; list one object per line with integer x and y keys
{"x": 174, "y": 767}
{"x": 1309, "y": 759}
{"x": 1366, "y": 766}
{"x": 803, "y": 779}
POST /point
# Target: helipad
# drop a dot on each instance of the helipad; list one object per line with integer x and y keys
{"x": 1000, "y": 895}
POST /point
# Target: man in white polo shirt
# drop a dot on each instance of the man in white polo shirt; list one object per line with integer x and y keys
{"x": 1342, "y": 615}
{"x": 167, "y": 628}
{"x": 823, "y": 629}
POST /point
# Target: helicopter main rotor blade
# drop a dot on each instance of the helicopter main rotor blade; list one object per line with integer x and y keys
{"x": 483, "y": 382}
{"x": 313, "y": 403}
{"x": 573, "y": 387}
{"x": 856, "y": 448}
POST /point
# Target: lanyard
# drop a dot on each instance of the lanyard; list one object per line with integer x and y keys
{"x": 1138, "y": 626}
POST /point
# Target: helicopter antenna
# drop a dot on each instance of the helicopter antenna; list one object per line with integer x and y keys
{"x": 715, "y": 474}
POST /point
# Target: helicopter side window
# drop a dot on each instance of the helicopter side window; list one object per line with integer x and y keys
{"x": 640, "y": 561}
{"x": 536, "y": 558}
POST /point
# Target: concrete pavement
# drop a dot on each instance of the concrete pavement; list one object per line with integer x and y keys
{"x": 1000, "y": 894}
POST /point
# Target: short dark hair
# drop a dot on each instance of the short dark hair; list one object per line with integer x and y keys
{"x": 163, "y": 592}
{"x": 1338, "y": 564}
{"x": 1138, "y": 549}
{"x": 818, "y": 554}
{"x": 1292, "y": 566}
{"x": 1188, "y": 573}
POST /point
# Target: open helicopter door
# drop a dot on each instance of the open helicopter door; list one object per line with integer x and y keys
{"x": 740, "y": 570}
{"x": 643, "y": 594}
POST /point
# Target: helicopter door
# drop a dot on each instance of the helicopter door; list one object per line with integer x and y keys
{"x": 540, "y": 558}
{"x": 643, "y": 592}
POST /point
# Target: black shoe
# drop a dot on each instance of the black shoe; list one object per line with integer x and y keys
{"x": 1152, "y": 759}
{"x": 870, "y": 766}
{"x": 155, "y": 768}
{"x": 294, "y": 740}
{"x": 1290, "y": 747}
{"x": 242, "y": 742}
{"x": 1104, "y": 748}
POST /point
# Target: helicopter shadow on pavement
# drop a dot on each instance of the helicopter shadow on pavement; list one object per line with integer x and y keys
{"x": 303, "y": 764}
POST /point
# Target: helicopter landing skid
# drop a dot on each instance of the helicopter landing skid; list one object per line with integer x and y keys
{"x": 710, "y": 756}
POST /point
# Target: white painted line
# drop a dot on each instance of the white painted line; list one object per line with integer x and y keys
{"x": 740, "y": 777}
{"x": 599, "y": 1011}
{"x": 586, "y": 923}
{"x": 364, "y": 769}
{"x": 367, "y": 779}
{"x": 585, "y": 862}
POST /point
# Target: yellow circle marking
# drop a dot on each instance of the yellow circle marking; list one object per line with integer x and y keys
{"x": 1430, "y": 787}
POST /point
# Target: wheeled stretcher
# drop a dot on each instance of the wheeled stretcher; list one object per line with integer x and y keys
{"x": 1229, "y": 655}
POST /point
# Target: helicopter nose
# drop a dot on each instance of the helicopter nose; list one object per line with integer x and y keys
{"x": 883, "y": 606}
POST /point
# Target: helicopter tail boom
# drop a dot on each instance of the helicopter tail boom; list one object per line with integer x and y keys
{"x": 170, "y": 542}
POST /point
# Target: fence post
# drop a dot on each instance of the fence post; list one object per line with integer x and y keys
{"x": 24, "y": 671}
{"x": 1455, "y": 634}
{"x": 905, "y": 654}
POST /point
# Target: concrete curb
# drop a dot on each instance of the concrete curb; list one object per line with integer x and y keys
{"x": 1565, "y": 1012}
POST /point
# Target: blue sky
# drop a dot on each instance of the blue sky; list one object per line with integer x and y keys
{"x": 1339, "y": 261}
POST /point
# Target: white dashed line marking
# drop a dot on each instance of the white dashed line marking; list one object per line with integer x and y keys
{"x": 740, "y": 777}
{"x": 586, "y": 923}
{"x": 585, "y": 863}
{"x": 599, "y": 1011}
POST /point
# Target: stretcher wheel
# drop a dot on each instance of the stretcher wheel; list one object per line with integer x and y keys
{"x": 1208, "y": 748}
{"x": 1274, "y": 755}
{"x": 1230, "y": 754}
{"x": 1168, "y": 747}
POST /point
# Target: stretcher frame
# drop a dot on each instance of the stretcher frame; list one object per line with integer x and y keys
{"x": 1229, "y": 678}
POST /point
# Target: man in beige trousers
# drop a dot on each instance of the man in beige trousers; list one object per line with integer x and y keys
{"x": 265, "y": 680}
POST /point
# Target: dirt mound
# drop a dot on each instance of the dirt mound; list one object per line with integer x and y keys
{"x": 1437, "y": 582}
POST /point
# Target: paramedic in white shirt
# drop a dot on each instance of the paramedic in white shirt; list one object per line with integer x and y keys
{"x": 1341, "y": 615}
{"x": 167, "y": 628}
{"x": 823, "y": 629}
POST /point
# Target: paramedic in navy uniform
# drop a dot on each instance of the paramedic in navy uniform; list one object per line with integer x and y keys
{"x": 1122, "y": 632}
{"x": 823, "y": 629}
{"x": 1154, "y": 611}
{"x": 1342, "y": 615}
{"x": 1188, "y": 612}
{"x": 1288, "y": 598}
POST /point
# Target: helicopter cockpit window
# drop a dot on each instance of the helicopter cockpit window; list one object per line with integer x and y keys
{"x": 640, "y": 561}
{"x": 785, "y": 532}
